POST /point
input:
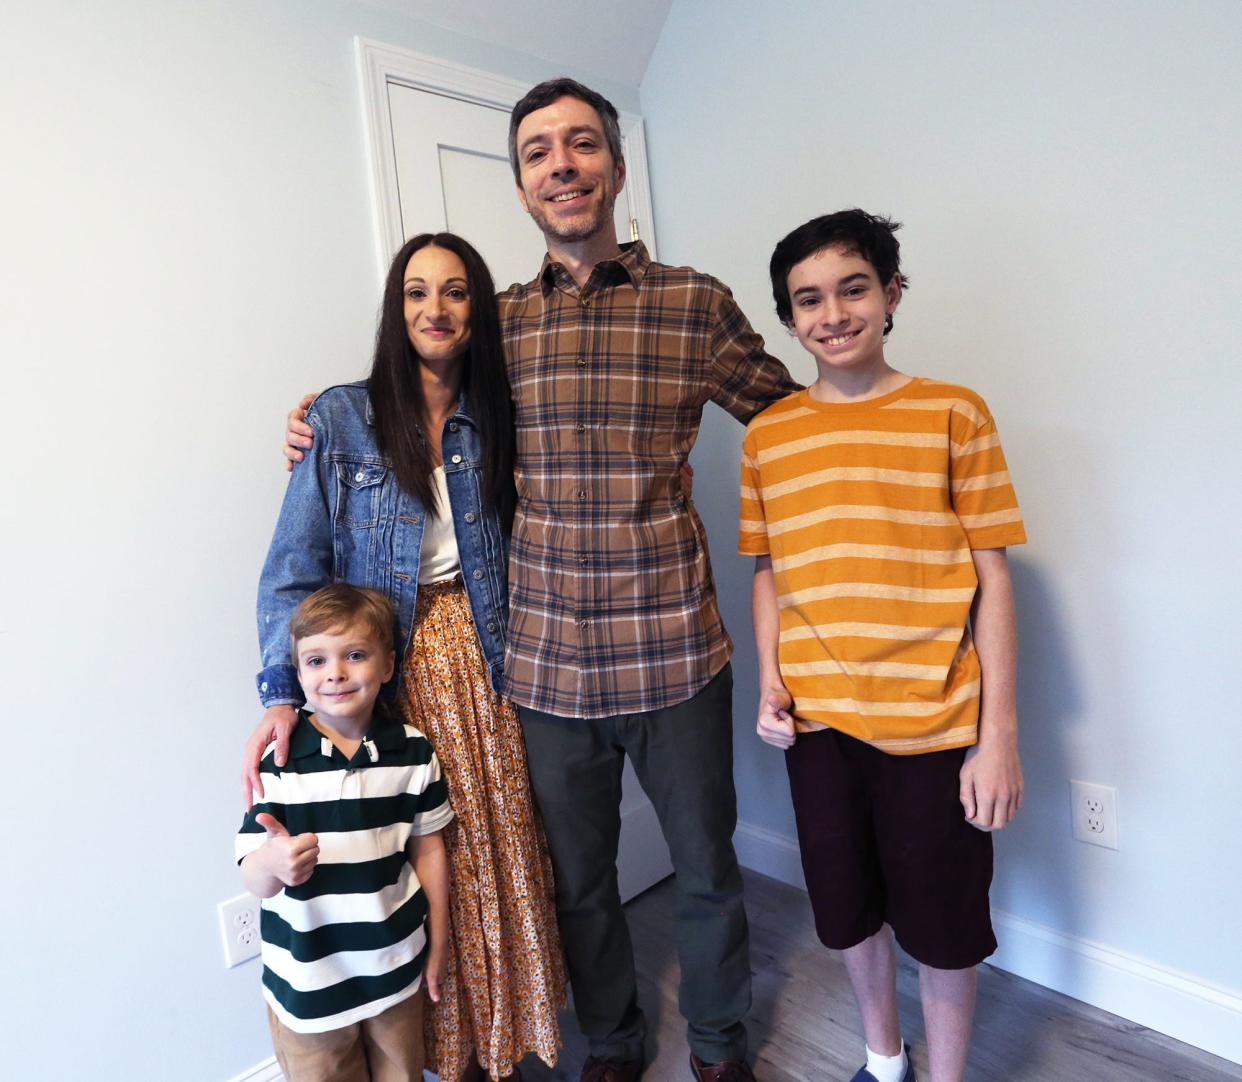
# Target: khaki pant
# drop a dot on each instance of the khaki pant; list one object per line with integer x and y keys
{"x": 386, "y": 1048}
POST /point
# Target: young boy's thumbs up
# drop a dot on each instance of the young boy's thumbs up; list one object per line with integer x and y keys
{"x": 274, "y": 827}
{"x": 289, "y": 859}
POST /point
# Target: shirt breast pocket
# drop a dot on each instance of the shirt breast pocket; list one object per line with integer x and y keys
{"x": 358, "y": 486}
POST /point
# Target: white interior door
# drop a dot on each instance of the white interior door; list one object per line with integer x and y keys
{"x": 450, "y": 170}
{"x": 453, "y": 173}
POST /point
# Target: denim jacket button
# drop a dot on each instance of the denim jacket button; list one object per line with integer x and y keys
{"x": 476, "y": 574}
{"x": 263, "y": 686}
{"x": 471, "y": 516}
{"x": 360, "y": 477}
{"x": 456, "y": 458}
{"x": 452, "y": 426}
{"x": 491, "y": 625}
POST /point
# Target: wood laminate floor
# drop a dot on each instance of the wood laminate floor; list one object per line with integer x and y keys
{"x": 804, "y": 1027}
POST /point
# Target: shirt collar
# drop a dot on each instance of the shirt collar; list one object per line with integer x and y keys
{"x": 631, "y": 264}
{"x": 388, "y": 734}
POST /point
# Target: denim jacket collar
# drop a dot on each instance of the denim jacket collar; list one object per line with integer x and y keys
{"x": 459, "y": 414}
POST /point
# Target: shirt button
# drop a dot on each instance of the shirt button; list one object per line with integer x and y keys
{"x": 471, "y": 516}
{"x": 581, "y": 362}
{"x": 582, "y": 493}
{"x": 584, "y": 623}
{"x": 582, "y": 560}
{"x": 579, "y": 428}
{"x": 456, "y": 459}
{"x": 360, "y": 476}
{"x": 476, "y": 574}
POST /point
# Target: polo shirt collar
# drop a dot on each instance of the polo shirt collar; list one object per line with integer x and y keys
{"x": 387, "y": 733}
{"x": 631, "y": 264}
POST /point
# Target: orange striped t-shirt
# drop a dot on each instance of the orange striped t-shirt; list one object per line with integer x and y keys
{"x": 870, "y": 511}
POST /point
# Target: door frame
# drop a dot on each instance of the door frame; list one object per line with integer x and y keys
{"x": 380, "y": 65}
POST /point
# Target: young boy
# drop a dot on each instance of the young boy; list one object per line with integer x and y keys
{"x": 878, "y": 508}
{"x": 347, "y": 851}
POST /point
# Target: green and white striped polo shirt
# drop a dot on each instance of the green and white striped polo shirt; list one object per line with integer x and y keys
{"x": 349, "y": 942}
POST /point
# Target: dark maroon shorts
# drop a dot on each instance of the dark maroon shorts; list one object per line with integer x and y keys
{"x": 884, "y": 839}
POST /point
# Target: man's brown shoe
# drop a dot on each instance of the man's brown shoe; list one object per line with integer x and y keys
{"x": 727, "y": 1070}
{"x": 601, "y": 1069}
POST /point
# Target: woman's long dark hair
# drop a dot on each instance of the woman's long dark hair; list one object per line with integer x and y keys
{"x": 396, "y": 387}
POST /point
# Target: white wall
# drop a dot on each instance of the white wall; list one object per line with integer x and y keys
{"x": 1068, "y": 175}
{"x": 187, "y": 246}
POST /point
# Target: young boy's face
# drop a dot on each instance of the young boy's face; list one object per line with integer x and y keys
{"x": 839, "y": 308}
{"x": 341, "y": 673}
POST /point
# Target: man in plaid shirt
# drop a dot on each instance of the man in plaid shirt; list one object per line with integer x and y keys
{"x": 616, "y": 646}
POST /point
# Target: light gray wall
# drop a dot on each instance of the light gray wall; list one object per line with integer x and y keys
{"x": 1068, "y": 176}
{"x": 187, "y": 247}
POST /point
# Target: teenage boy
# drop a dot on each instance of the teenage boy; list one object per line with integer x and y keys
{"x": 878, "y": 508}
{"x": 346, "y": 849}
{"x": 616, "y": 646}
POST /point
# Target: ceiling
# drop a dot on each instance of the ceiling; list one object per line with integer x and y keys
{"x": 609, "y": 39}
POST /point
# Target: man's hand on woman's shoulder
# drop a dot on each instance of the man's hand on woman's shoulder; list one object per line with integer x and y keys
{"x": 298, "y": 434}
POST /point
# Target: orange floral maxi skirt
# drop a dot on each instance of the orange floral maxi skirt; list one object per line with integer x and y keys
{"x": 505, "y": 978}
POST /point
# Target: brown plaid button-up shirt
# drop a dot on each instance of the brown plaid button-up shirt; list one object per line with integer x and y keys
{"x": 612, "y": 605}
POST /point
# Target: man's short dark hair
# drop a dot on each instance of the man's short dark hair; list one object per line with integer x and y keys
{"x": 868, "y": 236}
{"x": 552, "y": 90}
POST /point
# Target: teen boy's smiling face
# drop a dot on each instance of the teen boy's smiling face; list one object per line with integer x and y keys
{"x": 839, "y": 309}
{"x": 341, "y": 673}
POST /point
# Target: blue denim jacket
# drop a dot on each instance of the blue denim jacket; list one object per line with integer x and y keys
{"x": 345, "y": 519}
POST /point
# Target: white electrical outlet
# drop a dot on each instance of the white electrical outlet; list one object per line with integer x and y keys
{"x": 239, "y": 928}
{"x": 1094, "y": 809}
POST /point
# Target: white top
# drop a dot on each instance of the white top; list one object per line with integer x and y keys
{"x": 439, "y": 559}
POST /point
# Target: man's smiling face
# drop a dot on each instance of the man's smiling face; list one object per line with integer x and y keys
{"x": 569, "y": 181}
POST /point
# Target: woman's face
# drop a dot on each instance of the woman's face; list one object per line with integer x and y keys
{"x": 437, "y": 304}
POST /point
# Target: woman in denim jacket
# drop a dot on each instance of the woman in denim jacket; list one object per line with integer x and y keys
{"x": 408, "y": 489}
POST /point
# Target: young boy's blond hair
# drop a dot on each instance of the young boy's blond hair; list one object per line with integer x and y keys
{"x": 339, "y": 606}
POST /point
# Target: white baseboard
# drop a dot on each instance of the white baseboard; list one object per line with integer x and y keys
{"x": 772, "y": 854}
{"x": 1180, "y": 1005}
{"x": 1177, "y": 1004}
{"x": 267, "y": 1071}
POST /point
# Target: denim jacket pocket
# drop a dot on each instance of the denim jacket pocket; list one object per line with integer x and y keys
{"x": 358, "y": 493}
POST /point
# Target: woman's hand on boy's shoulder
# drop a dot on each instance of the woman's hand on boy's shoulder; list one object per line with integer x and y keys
{"x": 991, "y": 784}
{"x": 776, "y": 724}
{"x": 278, "y": 722}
